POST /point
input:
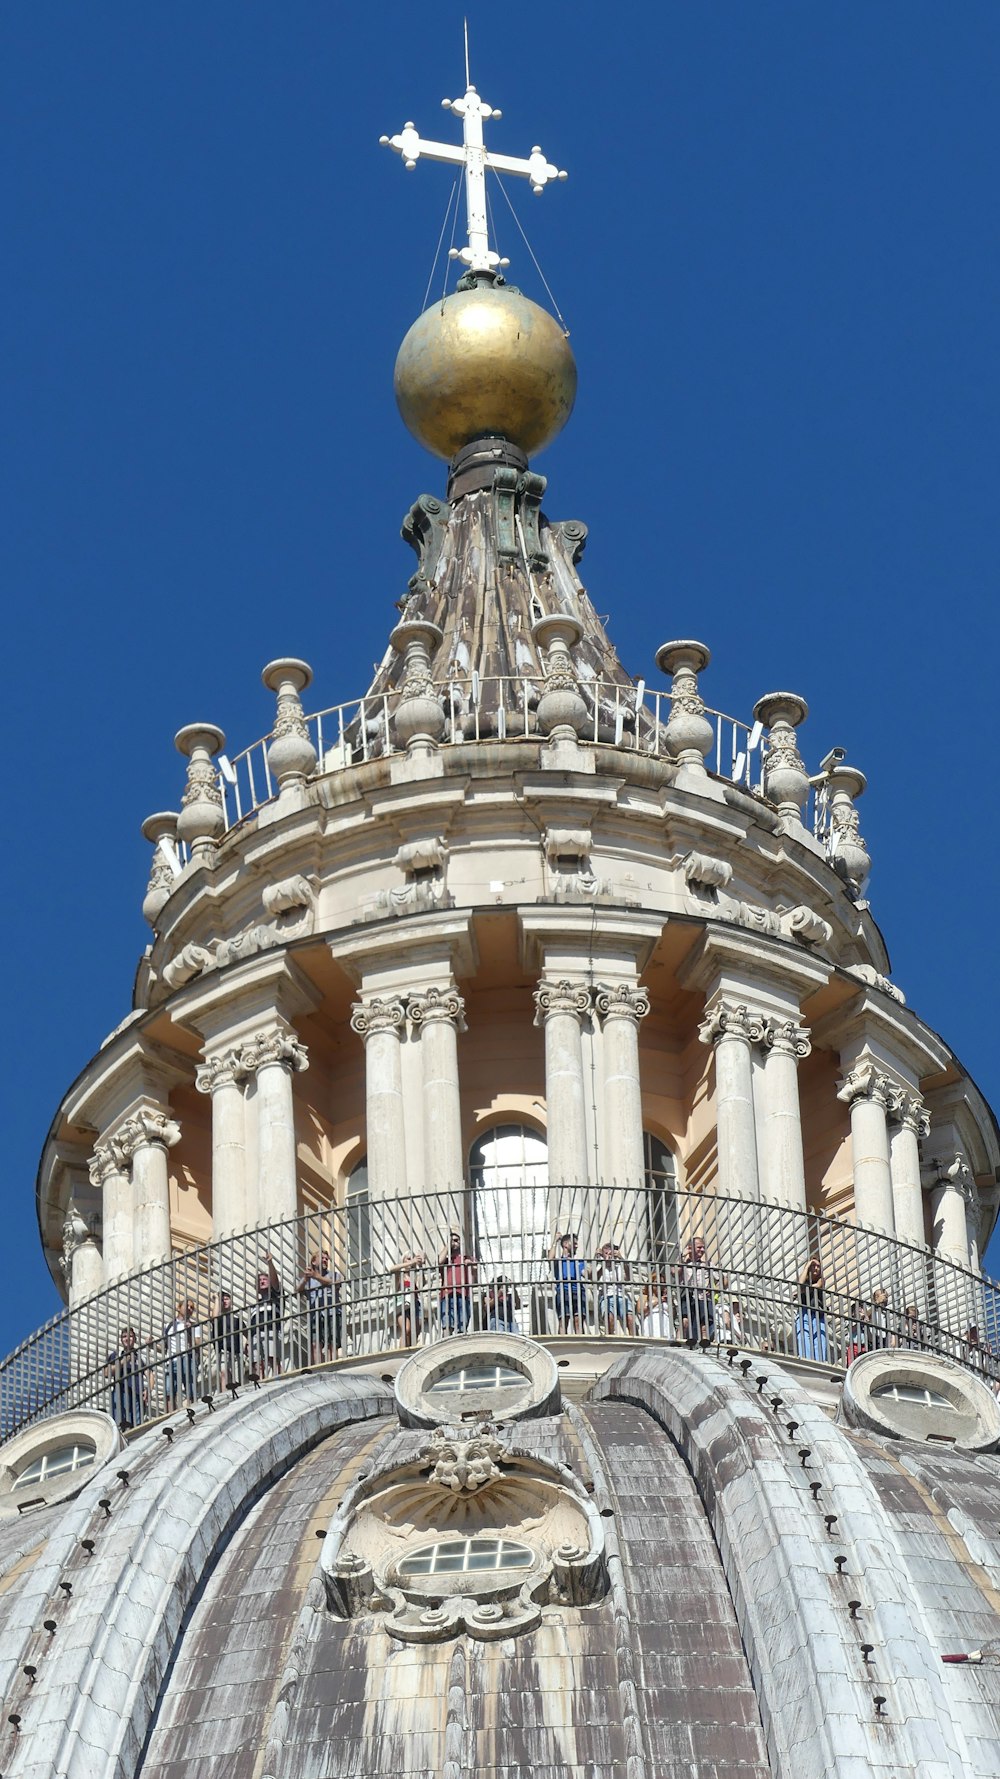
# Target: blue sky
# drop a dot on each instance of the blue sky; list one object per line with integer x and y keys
{"x": 777, "y": 254}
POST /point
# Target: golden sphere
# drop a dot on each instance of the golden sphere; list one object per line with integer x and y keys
{"x": 485, "y": 361}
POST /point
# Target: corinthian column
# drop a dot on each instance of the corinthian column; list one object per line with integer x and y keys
{"x": 949, "y": 1203}
{"x": 620, "y": 1008}
{"x": 782, "y": 1165}
{"x": 273, "y": 1056}
{"x": 82, "y": 1266}
{"x": 109, "y": 1171}
{"x": 734, "y": 1030}
{"x": 908, "y": 1123}
{"x": 143, "y": 1140}
{"x": 869, "y": 1095}
{"x": 234, "y": 1194}
{"x": 438, "y": 1014}
{"x": 560, "y": 1007}
{"x": 380, "y": 1023}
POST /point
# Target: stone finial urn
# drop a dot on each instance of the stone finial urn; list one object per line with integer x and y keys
{"x": 689, "y": 735}
{"x": 562, "y": 713}
{"x": 786, "y": 781}
{"x": 419, "y": 719}
{"x": 161, "y": 826}
{"x": 291, "y": 757}
{"x": 202, "y": 819}
{"x": 848, "y": 852}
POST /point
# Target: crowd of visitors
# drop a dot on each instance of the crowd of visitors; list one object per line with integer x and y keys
{"x": 604, "y": 1292}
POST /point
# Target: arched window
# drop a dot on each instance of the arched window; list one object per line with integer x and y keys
{"x": 359, "y": 1225}
{"x": 464, "y": 1556}
{"x": 54, "y": 1464}
{"x": 661, "y": 1181}
{"x": 509, "y": 1170}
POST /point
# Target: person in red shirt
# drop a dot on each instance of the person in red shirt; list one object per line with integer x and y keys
{"x": 458, "y": 1275}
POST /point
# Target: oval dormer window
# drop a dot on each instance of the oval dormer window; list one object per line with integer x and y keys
{"x": 467, "y": 1556}
{"x": 59, "y": 1463}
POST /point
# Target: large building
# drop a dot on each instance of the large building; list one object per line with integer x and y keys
{"x": 521, "y": 1253}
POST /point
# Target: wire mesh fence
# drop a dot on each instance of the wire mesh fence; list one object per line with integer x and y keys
{"x": 541, "y": 1260}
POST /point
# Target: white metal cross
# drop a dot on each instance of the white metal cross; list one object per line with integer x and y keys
{"x": 474, "y": 156}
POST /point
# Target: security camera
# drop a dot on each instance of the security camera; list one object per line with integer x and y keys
{"x": 833, "y": 758}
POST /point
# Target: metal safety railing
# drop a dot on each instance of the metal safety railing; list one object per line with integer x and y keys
{"x": 642, "y": 1263}
{"x": 481, "y": 708}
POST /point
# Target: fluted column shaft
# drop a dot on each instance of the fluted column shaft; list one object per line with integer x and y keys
{"x": 908, "y": 1123}
{"x": 620, "y": 1008}
{"x": 144, "y": 1140}
{"x": 380, "y": 1023}
{"x": 869, "y": 1096}
{"x": 438, "y": 1015}
{"x": 733, "y": 1030}
{"x": 273, "y": 1056}
{"x": 782, "y": 1162}
{"x": 561, "y": 1006}
{"x": 234, "y": 1194}
{"x": 82, "y": 1265}
{"x": 951, "y": 1224}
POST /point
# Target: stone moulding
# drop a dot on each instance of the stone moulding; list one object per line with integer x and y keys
{"x": 291, "y": 907}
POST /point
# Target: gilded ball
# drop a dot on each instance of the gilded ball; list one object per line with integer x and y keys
{"x": 483, "y": 361}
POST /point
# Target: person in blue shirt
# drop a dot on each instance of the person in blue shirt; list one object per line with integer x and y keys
{"x": 571, "y": 1298}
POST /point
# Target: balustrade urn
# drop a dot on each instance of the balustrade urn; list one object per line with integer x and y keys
{"x": 419, "y": 720}
{"x": 562, "y": 712}
{"x": 786, "y": 781}
{"x": 158, "y": 828}
{"x": 689, "y": 734}
{"x": 291, "y": 756}
{"x": 202, "y": 819}
{"x": 848, "y": 852}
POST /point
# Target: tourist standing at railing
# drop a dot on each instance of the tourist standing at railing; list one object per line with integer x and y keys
{"x": 859, "y": 1339}
{"x": 409, "y": 1313}
{"x": 612, "y": 1274}
{"x": 912, "y": 1333}
{"x": 229, "y": 1335}
{"x": 695, "y": 1280}
{"x": 882, "y": 1332}
{"x": 180, "y": 1341}
{"x": 458, "y": 1275}
{"x": 810, "y": 1323}
{"x": 265, "y": 1321}
{"x": 656, "y": 1322}
{"x": 571, "y": 1298}
{"x": 322, "y": 1286}
{"x": 130, "y": 1389}
{"x": 502, "y": 1301}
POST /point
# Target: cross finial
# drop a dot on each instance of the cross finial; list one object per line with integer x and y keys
{"x": 474, "y": 157}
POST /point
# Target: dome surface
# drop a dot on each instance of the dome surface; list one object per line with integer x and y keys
{"x": 485, "y": 360}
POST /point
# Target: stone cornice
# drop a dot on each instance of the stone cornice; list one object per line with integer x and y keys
{"x": 733, "y": 961}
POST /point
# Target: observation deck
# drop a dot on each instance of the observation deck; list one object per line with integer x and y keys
{"x": 744, "y": 1293}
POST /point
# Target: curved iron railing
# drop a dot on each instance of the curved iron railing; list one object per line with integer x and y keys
{"x": 478, "y": 708}
{"x": 391, "y": 1292}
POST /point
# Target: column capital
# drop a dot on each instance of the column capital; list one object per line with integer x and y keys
{"x": 379, "y": 1014}
{"x": 621, "y": 1000}
{"x": 275, "y": 1044}
{"x": 75, "y": 1231}
{"x": 147, "y": 1128}
{"x": 561, "y": 996}
{"x": 224, "y": 1069}
{"x": 868, "y": 1083}
{"x": 908, "y": 1110}
{"x": 437, "y": 1005}
{"x": 107, "y": 1160}
{"x": 785, "y": 1037}
{"x": 732, "y": 1019}
{"x": 954, "y": 1174}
